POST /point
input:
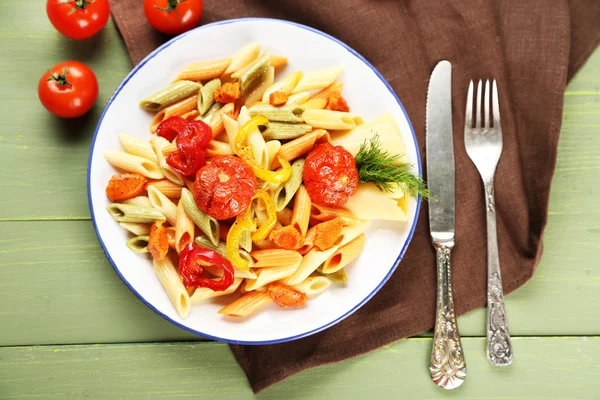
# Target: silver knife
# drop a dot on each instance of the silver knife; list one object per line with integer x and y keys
{"x": 447, "y": 364}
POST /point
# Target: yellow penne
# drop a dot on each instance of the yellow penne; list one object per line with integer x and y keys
{"x": 300, "y": 146}
{"x": 180, "y": 108}
{"x": 159, "y": 143}
{"x": 285, "y": 85}
{"x": 164, "y": 204}
{"x": 169, "y": 278}
{"x": 168, "y": 188}
{"x": 184, "y": 229}
{"x": 275, "y": 257}
{"x": 331, "y": 120}
{"x": 319, "y": 213}
{"x": 277, "y": 61}
{"x": 264, "y": 276}
{"x": 204, "y": 71}
{"x": 335, "y": 89}
{"x": 136, "y": 228}
{"x": 259, "y": 90}
{"x": 202, "y": 294}
{"x": 243, "y": 57}
{"x": 246, "y": 305}
{"x": 299, "y": 98}
{"x": 313, "y": 285}
{"x": 130, "y": 163}
{"x": 317, "y": 79}
{"x": 301, "y": 211}
{"x": 344, "y": 255}
{"x": 216, "y": 122}
{"x": 137, "y": 147}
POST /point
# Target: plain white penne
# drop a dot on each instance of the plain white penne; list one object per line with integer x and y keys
{"x": 136, "y": 228}
{"x": 169, "y": 278}
{"x": 299, "y": 98}
{"x": 140, "y": 201}
{"x": 344, "y": 255}
{"x": 275, "y": 257}
{"x": 264, "y": 276}
{"x": 164, "y": 204}
{"x": 388, "y": 206}
{"x": 232, "y": 128}
{"x": 331, "y": 120}
{"x": 202, "y": 294}
{"x": 137, "y": 147}
{"x": 335, "y": 89}
{"x": 130, "y": 163}
{"x": 243, "y": 57}
{"x": 313, "y": 285}
{"x": 317, "y": 79}
{"x": 310, "y": 262}
{"x": 273, "y": 147}
{"x": 386, "y": 127}
{"x": 286, "y": 85}
{"x": 158, "y": 143}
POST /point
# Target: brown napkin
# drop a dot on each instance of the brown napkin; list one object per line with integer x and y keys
{"x": 531, "y": 47}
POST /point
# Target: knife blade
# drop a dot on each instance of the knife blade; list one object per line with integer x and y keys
{"x": 447, "y": 364}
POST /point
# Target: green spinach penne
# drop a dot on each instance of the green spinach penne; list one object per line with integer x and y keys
{"x": 173, "y": 93}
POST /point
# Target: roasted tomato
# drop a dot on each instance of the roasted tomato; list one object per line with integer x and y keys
{"x": 224, "y": 188}
{"x": 330, "y": 175}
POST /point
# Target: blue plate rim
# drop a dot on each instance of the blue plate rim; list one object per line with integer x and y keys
{"x": 242, "y": 342}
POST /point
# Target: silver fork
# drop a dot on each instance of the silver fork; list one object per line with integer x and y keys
{"x": 484, "y": 147}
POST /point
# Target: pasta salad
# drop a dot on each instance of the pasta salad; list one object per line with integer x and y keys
{"x": 255, "y": 188}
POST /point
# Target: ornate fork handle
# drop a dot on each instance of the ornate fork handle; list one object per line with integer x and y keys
{"x": 447, "y": 365}
{"x": 499, "y": 348}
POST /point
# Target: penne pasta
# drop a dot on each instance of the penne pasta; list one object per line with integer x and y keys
{"x": 221, "y": 249}
{"x": 167, "y": 187}
{"x": 130, "y": 163}
{"x": 171, "y": 236}
{"x": 214, "y": 109}
{"x": 275, "y": 257}
{"x": 242, "y": 58}
{"x": 285, "y": 216}
{"x": 159, "y": 143}
{"x": 264, "y": 276}
{"x": 299, "y": 147}
{"x": 205, "y": 70}
{"x": 169, "y": 278}
{"x": 139, "y": 201}
{"x": 202, "y": 294}
{"x": 231, "y": 128}
{"x": 287, "y": 113}
{"x": 138, "y": 244}
{"x": 246, "y": 305}
{"x": 255, "y": 139}
{"x": 335, "y": 89}
{"x": 259, "y": 90}
{"x": 313, "y": 285}
{"x": 180, "y": 108}
{"x": 314, "y": 104}
{"x": 344, "y": 255}
{"x": 162, "y": 203}
{"x": 301, "y": 211}
{"x": 254, "y": 73}
{"x": 310, "y": 262}
{"x": 286, "y": 85}
{"x": 238, "y": 273}
{"x": 205, "y": 222}
{"x": 171, "y": 94}
{"x": 284, "y": 193}
{"x": 136, "y": 228}
{"x": 127, "y": 213}
{"x": 191, "y": 116}
{"x": 206, "y": 97}
{"x": 184, "y": 229}
{"x": 273, "y": 147}
{"x": 319, "y": 213}
{"x": 285, "y": 131}
{"x": 299, "y": 98}
{"x": 309, "y": 241}
{"x": 278, "y": 61}
{"x": 218, "y": 148}
{"x": 331, "y": 120}
{"x": 317, "y": 79}
{"x": 216, "y": 121}
{"x": 137, "y": 147}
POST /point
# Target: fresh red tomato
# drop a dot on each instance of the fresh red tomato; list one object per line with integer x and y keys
{"x": 78, "y": 19}
{"x": 69, "y": 89}
{"x": 173, "y": 16}
{"x": 224, "y": 188}
{"x": 330, "y": 175}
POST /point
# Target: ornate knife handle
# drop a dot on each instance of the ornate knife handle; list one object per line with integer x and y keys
{"x": 447, "y": 365}
{"x": 499, "y": 348}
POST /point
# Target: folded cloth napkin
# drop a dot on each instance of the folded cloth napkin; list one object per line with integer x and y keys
{"x": 531, "y": 47}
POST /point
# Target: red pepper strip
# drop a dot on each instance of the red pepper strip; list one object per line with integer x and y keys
{"x": 187, "y": 165}
{"x": 192, "y": 272}
{"x": 171, "y": 127}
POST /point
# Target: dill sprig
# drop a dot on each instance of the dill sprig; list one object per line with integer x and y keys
{"x": 384, "y": 170}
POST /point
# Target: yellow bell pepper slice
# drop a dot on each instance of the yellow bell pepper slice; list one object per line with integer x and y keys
{"x": 266, "y": 228}
{"x": 279, "y": 176}
{"x": 245, "y": 130}
{"x": 233, "y": 241}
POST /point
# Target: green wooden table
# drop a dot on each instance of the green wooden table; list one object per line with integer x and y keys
{"x": 69, "y": 328}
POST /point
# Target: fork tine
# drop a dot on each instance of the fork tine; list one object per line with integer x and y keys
{"x": 469, "y": 110}
{"x": 495, "y": 106}
{"x": 486, "y": 106}
{"x": 478, "y": 106}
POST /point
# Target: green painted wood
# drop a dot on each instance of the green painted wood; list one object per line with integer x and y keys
{"x": 56, "y": 286}
{"x": 545, "y": 368}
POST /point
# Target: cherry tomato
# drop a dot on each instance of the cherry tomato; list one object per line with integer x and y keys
{"x": 224, "y": 188}
{"x": 173, "y": 16}
{"x": 69, "y": 89}
{"x": 78, "y": 19}
{"x": 330, "y": 175}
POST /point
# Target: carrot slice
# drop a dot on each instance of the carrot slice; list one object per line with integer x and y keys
{"x": 337, "y": 103}
{"x": 326, "y": 233}
{"x": 286, "y": 238}
{"x": 286, "y": 296}
{"x": 125, "y": 186}
{"x": 278, "y": 98}
{"x": 158, "y": 241}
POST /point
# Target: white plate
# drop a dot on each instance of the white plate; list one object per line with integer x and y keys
{"x": 307, "y": 49}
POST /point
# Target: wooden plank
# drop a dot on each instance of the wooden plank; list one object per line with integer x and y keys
{"x": 545, "y": 368}
{"x": 56, "y": 286}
